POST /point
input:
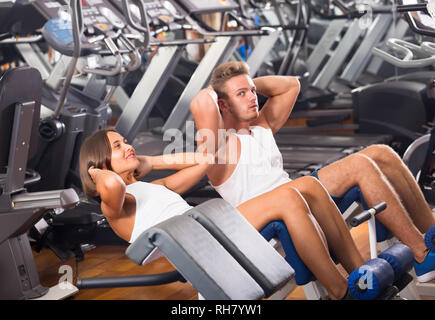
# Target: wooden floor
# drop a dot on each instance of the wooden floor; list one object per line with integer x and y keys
{"x": 106, "y": 261}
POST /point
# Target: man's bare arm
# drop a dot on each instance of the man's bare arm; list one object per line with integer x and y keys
{"x": 282, "y": 92}
{"x": 207, "y": 118}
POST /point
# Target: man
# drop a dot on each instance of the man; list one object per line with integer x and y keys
{"x": 231, "y": 104}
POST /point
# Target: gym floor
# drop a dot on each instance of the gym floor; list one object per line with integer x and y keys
{"x": 107, "y": 261}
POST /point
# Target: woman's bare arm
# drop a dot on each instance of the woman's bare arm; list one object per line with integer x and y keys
{"x": 111, "y": 189}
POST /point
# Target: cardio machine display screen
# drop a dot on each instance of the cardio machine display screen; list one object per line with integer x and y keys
{"x": 84, "y": 4}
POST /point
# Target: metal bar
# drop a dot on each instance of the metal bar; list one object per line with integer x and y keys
{"x": 34, "y": 58}
{"x": 340, "y": 53}
{"x": 147, "y": 91}
{"x": 322, "y": 48}
{"x": 218, "y": 53}
{"x": 397, "y": 30}
{"x": 364, "y": 53}
{"x": 262, "y": 49}
{"x": 19, "y": 147}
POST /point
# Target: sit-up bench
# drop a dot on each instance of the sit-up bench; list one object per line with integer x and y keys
{"x": 214, "y": 248}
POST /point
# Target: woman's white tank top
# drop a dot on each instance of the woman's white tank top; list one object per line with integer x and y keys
{"x": 154, "y": 204}
{"x": 259, "y": 170}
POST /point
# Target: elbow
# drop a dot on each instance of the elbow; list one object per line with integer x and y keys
{"x": 194, "y": 106}
{"x": 112, "y": 185}
{"x": 294, "y": 84}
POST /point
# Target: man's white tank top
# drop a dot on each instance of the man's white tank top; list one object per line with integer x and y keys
{"x": 259, "y": 170}
{"x": 154, "y": 204}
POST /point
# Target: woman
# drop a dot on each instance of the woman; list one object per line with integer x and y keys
{"x": 110, "y": 168}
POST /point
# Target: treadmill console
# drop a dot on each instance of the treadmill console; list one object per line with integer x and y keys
{"x": 159, "y": 12}
{"x": 208, "y": 6}
{"x": 99, "y": 19}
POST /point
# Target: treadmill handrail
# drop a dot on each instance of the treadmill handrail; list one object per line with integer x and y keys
{"x": 181, "y": 42}
{"x": 77, "y": 31}
{"x": 235, "y": 33}
{"x": 409, "y": 61}
{"x": 143, "y": 27}
{"x": 114, "y": 70}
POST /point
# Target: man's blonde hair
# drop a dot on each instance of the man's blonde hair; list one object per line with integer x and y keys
{"x": 225, "y": 72}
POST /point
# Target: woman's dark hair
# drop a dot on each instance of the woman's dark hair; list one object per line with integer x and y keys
{"x": 95, "y": 151}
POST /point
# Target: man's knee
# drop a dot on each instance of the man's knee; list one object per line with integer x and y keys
{"x": 361, "y": 162}
{"x": 380, "y": 153}
{"x": 362, "y": 167}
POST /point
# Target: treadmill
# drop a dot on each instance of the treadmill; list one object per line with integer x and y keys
{"x": 302, "y": 153}
{"x": 94, "y": 31}
{"x": 143, "y": 99}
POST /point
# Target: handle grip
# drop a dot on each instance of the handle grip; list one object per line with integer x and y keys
{"x": 367, "y": 214}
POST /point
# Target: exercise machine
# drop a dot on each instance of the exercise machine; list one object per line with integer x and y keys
{"x": 19, "y": 209}
{"x": 90, "y": 31}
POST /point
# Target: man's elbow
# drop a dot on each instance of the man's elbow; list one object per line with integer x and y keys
{"x": 194, "y": 106}
{"x": 294, "y": 84}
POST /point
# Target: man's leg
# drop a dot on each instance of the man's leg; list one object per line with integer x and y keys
{"x": 403, "y": 183}
{"x": 359, "y": 169}
{"x": 287, "y": 204}
{"x": 330, "y": 220}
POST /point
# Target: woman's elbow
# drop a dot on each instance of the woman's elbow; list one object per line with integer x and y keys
{"x": 113, "y": 185}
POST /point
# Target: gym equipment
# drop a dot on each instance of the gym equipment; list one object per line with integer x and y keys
{"x": 388, "y": 269}
{"x": 18, "y": 18}
{"x": 216, "y": 222}
{"x": 216, "y": 250}
{"x": 156, "y": 77}
{"x": 419, "y": 154}
{"x": 92, "y": 30}
{"x": 19, "y": 209}
{"x": 85, "y": 224}
{"x": 87, "y": 110}
{"x": 301, "y": 160}
{"x": 326, "y": 119}
{"x": 406, "y": 96}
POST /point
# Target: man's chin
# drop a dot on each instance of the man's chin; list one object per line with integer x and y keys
{"x": 254, "y": 117}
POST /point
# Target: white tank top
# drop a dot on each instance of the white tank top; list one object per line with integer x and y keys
{"x": 154, "y": 204}
{"x": 260, "y": 168}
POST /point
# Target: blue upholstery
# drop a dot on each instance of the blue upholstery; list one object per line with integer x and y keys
{"x": 278, "y": 229}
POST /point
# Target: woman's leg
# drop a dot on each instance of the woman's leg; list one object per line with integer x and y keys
{"x": 330, "y": 220}
{"x": 287, "y": 204}
{"x": 359, "y": 169}
{"x": 398, "y": 174}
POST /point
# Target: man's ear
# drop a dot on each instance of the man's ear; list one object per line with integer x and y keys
{"x": 222, "y": 104}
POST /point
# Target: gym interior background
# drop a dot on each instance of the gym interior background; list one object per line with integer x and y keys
{"x": 70, "y": 68}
